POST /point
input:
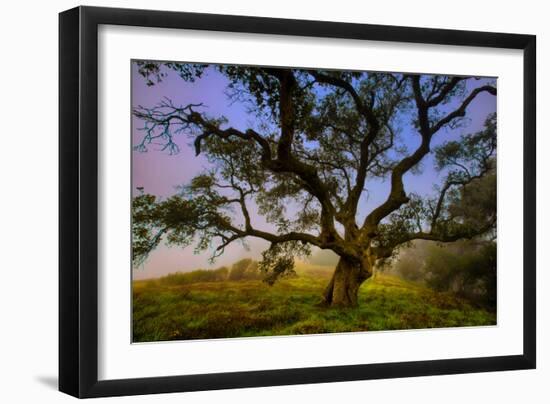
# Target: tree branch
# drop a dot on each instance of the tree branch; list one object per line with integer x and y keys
{"x": 461, "y": 111}
{"x": 397, "y": 196}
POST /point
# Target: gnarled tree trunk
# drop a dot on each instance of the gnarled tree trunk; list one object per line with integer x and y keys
{"x": 344, "y": 286}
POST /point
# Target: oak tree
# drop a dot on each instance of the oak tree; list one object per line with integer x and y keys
{"x": 320, "y": 137}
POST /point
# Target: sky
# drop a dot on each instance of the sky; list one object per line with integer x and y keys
{"x": 159, "y": 173}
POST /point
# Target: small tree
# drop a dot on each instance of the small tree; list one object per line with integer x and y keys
{"x": 321, "y": 136}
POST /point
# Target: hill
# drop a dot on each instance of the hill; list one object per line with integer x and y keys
{"x": 188, "y": 308}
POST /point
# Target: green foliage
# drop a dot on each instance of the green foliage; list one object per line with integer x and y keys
{"x": 476, "y": 203}
{"x": 470, "y": 162}
{"x": 469, "y": 271}
{"x": 199, "y": 275}
{"x": 472, "y": 153}
{"x": 154, "y": 73}
{"x": 404, "y": 222}
{"x": 146, "y": 233}
{"x": 254, "y": 86}
{"x": 465, "y": 268}
{"x": 278, "y": 260}
{"x": 250, "y": 308}
{"x": 245, "y": 269}
{"x": 176, "y": 219}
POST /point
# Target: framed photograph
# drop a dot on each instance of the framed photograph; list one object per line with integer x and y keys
{"x": 251, "y": 201}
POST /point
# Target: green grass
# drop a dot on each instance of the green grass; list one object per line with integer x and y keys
{"x": 224, "y": 309}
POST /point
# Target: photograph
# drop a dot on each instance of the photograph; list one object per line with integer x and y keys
{"x": 270, "y": 201}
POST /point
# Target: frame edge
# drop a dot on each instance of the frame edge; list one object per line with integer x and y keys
{"x": 69, "y": 114}
{"x": 530, "y": 201}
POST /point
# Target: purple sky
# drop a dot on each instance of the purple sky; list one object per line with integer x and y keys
{"x": 159, "y": 173}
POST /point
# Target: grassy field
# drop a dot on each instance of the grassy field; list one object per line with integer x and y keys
{"x": 176, "y": 309}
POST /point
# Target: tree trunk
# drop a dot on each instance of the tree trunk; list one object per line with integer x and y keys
{"x": 344, "y": 286}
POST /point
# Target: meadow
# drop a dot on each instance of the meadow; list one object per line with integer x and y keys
{"x": 207, "y": 304}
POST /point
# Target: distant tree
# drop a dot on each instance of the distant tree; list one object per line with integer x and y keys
{"x": 409, "y": 263}
{"x": 467, "y": 270}
{"x": 321, "y": 135}
{"x": 244, "y": 269}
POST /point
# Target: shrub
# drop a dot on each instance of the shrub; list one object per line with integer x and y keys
{"x": 468, "y": 272}
{"x": 245, "y": 269}
{"x": 465, "y": 268}
{"x": 199, "y": 275}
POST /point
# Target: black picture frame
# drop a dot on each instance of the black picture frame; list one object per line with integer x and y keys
{"x": 78, "y": 201}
